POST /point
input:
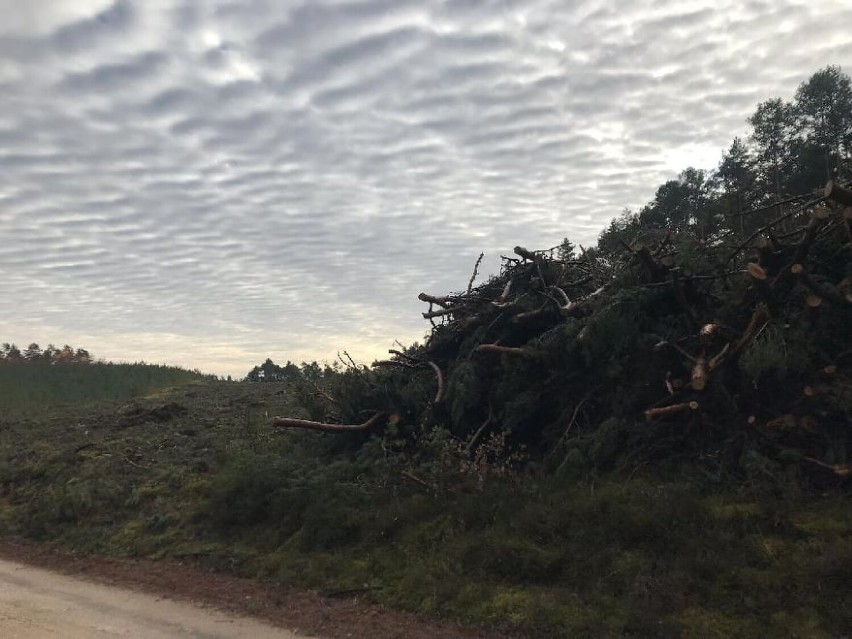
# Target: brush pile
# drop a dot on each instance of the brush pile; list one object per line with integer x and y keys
{"x": 729, "y": 349}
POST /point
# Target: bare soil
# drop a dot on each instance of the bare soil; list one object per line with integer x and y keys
{"x": 307, "y": 613}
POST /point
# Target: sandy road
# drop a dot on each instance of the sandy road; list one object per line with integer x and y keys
{"x": 36, "y": 603}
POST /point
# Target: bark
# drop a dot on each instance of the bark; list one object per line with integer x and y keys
{"x": 289, "y": 422}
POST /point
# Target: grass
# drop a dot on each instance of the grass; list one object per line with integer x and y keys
{"x": 31, "y": 388}
{"x": 645, "y": 556}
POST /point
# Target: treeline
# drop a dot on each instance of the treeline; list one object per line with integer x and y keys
{"x": 27, "y": 387}
{"x": 794, "y": 147}
{"x": 10, "y": 353}
{"x": 269, "y": 371}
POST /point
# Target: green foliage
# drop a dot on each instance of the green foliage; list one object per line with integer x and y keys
{"x": 778, "y": 351}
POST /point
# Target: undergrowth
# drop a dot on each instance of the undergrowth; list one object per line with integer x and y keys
{"x": 631, "y": 551}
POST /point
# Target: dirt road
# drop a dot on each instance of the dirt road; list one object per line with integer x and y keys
{"x": 36, "y": 603}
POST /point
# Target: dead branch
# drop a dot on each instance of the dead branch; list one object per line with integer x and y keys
{"x": 475, "y": 271}
{"x": 289, "y": 422}
{"x": 665, "y": 411}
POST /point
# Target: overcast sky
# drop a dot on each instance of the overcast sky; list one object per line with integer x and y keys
{"x": 212, "y": 183}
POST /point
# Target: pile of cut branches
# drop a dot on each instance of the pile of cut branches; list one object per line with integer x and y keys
{"x": 733, "y": 350}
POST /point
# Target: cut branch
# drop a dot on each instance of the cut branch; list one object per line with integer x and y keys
{"x": 520, "y": 318}
{"x": 440, "y": 313}
{"x": 524, "y": 253}
{"x": 818, "y": 289}
{"x": 289, "y": 422}
{"x": 665, "y": 411}
{"x": 503, "y": 350}
{"x": 698, "y": 377}
{"x": 837, "y": 469}
{"x": 440, "y": 301}
{"x": 439, "y": 396}
{"x": 504, "y": 296}
{"x": 759, "y": 317}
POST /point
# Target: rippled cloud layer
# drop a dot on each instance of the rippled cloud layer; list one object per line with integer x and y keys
{"x": 211, "y": 183}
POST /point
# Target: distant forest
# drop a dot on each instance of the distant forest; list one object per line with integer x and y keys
{"x": 33, "y": 354}
{"x": 794, "y": 148}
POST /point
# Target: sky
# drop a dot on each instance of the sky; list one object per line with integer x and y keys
{"x": 211, "y": 183}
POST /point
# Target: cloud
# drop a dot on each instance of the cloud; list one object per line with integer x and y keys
{"x": 214, "y": 183}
